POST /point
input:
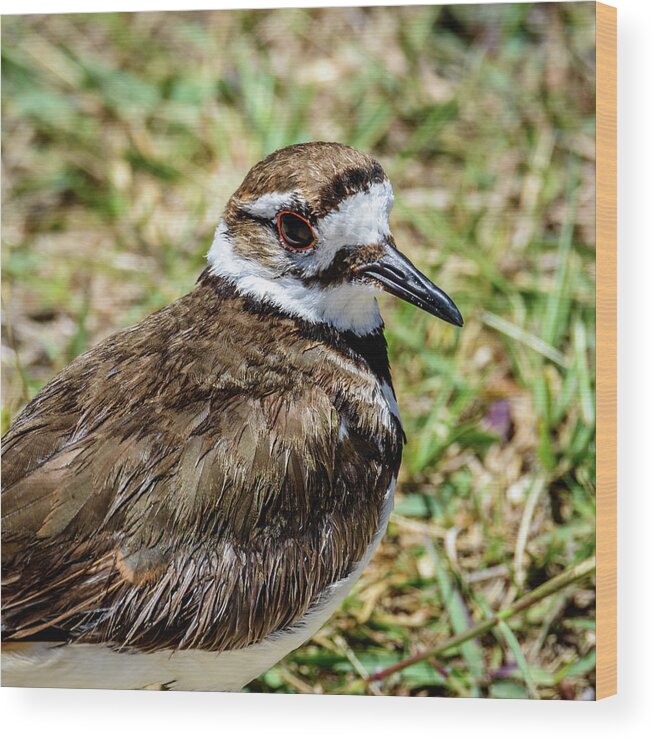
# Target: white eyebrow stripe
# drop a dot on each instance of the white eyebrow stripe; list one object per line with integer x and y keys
{"x": 356, "y": 220}
{"x": 268, "y": 205}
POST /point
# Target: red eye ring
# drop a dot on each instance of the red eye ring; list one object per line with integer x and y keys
{"x": 285, "y": 237}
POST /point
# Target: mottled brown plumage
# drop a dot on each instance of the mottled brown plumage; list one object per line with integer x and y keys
{"x": 172, "y": 487}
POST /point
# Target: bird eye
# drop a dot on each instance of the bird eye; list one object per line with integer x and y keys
{"x": 295, "y": 231}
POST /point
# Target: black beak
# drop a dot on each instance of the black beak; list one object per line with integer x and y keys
{"x": 398, "y": 276}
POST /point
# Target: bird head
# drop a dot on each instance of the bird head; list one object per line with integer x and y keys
{"x": 308, "y": 232}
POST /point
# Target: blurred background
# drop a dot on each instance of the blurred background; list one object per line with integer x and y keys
{"x": 124, "y": 134}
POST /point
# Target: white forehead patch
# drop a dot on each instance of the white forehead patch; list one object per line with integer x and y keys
{"x": 360, "y": 219}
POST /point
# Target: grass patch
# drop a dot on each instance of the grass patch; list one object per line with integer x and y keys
{"x": 124, "y": 134}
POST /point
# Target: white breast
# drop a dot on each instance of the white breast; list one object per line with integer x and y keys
{"x": 94, "y": 666}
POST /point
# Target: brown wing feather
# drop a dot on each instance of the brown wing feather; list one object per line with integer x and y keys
{"x": 136, "y": 510}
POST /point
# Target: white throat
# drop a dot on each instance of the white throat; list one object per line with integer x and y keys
{"x": 347, "y": 307}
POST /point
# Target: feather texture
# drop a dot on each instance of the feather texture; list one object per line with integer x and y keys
{"x": 185, "y": 484}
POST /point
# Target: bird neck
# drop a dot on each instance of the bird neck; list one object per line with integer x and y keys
{"x": 367, "y": 350}
{"x": 344, "y": 307}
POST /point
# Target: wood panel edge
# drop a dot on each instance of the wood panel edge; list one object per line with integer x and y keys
{"x": 606, "y": 349}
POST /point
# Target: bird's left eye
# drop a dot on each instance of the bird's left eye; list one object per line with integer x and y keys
{"x": 295, "y": 231}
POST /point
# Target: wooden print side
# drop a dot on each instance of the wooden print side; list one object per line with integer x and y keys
{"x": 606, "y": 360}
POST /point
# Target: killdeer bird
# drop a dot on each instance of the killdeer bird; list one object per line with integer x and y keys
{"x": 192, "y": 498}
